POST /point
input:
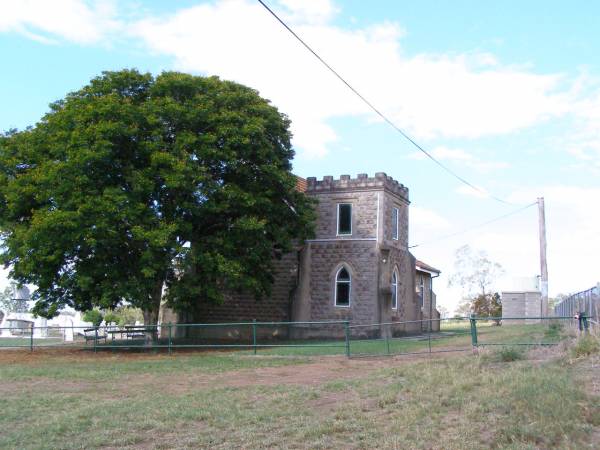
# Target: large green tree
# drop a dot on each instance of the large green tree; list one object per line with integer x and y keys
{"x": 134, "y": 183}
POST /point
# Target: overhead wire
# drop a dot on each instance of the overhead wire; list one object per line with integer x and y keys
{"x": 380, "y": 114}
{"x": 467, "y": 230}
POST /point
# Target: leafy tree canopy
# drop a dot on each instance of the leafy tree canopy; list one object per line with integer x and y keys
{"x": 137, "y": 182}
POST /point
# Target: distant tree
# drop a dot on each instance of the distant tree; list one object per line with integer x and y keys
{"x": 127, "y": 315}
{"x": 8, "y": 302}
{"x": 553, "y": 301}
{"x": 136, "y": 183}
{"x": 487, "y": 305}
{"x": 111, "y": 317}
{"x": 475, "y": 274}
{"x": 94, "y": 316}
{"x": 464, "y": 307}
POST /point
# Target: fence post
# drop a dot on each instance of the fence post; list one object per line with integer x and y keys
{"x": 254, "y": 335}
{"x": 584, "y": 321}
{"x": 95, "y": 338}
{"x": 473, "y": 331}
{"x": 347, "y": 333}
{"x": 387, "y": 340}
{"x": 31, "y": 338}
{"x": 170, "y": 337}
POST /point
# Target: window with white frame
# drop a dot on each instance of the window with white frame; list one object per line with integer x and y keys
{"x": 394, "y": 289}
{"x": 344, "y": 218}
{"x": 343, "y": 287}
{"x": 395, "y": 232}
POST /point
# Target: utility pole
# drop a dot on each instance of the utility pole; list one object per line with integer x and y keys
{"x": 543, "y": 264}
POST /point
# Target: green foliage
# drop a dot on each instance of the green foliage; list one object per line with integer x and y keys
{"x": 111, "y": 317}
{"x": 93, "y": 316}
{"x": 7, "y": 302}
{"x": 586, "y": 345}
{"x": 554, "y": 330}
{"x": 137, "y": 181}
{"x": 487, "y": 305}
{"x": 10, "y": 304}
{"x": 508, "y": 354}
{"x": 126, "y": 315}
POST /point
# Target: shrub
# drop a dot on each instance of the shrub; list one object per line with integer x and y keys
{"x": 111, "y": 317}
{"x": 585, "y": 346}
{"x": 554, "y": 330}
{"x": 508, "y": 354}
{"x": 94, "y": 316}
{"x": 128, "y": 315}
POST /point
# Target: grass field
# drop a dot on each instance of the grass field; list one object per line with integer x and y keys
{"x": 73, "y": 399}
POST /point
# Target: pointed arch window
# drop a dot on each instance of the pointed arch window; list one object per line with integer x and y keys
{"x": 395, "y": 289}
{"x": 343, "y": 287}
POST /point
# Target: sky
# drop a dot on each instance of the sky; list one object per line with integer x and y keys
{"x": 506, "y": 94}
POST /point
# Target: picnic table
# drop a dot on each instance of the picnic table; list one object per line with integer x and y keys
{"x": 132, "y": 331}
{"x": 92, "y": 334}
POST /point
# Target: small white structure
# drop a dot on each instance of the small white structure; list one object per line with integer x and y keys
{"x": 523, "y": 298}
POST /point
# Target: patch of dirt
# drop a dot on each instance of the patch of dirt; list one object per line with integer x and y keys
{"x": 319, "y": 371}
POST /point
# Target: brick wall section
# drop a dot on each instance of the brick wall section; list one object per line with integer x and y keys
{"x": 239, "y": 307}
{"x": 521, "y": 304}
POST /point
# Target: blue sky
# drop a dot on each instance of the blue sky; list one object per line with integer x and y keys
{"x": 505, "y": 93}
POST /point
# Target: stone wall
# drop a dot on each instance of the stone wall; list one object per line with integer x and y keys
{"x": 242, "y": 307}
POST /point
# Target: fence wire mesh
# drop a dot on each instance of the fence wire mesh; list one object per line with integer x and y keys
{"x": 523, "y": 331}
{"x": 305, "y": 338}
{"x": 587, "y": 301}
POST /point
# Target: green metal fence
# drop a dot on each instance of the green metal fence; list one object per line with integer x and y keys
{"x": 525, "y": 331}
{"x": 410, "y": 337}
{"x": 305, "y": 338}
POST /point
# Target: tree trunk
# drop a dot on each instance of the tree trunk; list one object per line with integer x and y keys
{"x": 151, "y": 315}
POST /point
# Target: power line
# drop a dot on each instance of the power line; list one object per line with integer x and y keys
{"x": 380, "y": 114}
{"x": 440, "y": 238}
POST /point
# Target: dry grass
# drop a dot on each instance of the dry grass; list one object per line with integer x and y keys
{"x": 222, "y": 401}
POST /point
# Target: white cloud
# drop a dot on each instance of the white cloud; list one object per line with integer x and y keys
{"x": 429, "y": 95}
{"x": 468, "y": 95}
{"x": 462, "y": 158}
{"x": 584, "y": 141}
{"x": 311, "y": 11}
{"x": 49, "y": 21}
{"x": 425, "y": 220}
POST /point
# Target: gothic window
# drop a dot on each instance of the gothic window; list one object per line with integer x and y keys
{"x": 344, "y": 218}
{"x": 394, "y": 289}
{"x": 343, "y": 286}
{"x": 395, "y": 214}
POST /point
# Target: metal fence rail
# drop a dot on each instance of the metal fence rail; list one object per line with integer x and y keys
{"x": 525, "y": 331}
{"x": 303, "y": 338}
{"x": 587, "y": 301}
{"x": 277, "y": 338}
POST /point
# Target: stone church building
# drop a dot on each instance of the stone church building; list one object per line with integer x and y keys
{"x": 357, "y": 268}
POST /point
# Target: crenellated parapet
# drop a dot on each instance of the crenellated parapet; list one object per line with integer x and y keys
{"x": 362, "y": 182}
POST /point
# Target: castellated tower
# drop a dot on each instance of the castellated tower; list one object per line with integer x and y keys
{"x": 358, "y": 267}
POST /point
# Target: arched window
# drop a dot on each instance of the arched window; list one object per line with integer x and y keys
{"x": 343, "y": 286}
{"x": 394, "y": 289}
